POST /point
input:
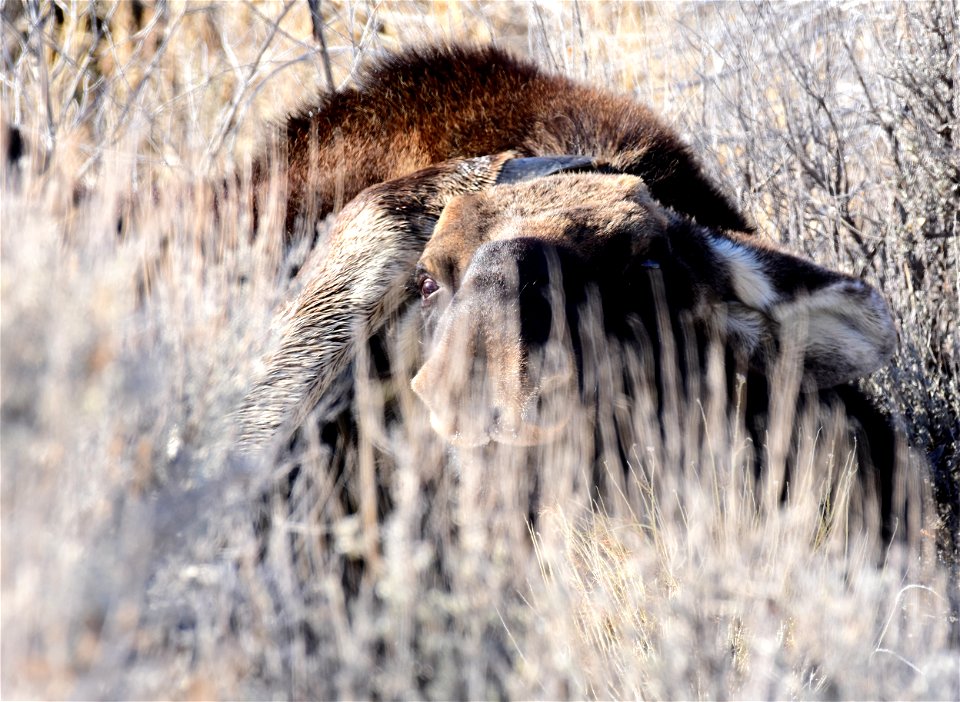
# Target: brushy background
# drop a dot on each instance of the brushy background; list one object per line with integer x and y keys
{"x": 142, "y": 559}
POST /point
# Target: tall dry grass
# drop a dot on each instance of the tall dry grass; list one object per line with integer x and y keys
{"x": 142, "y": 558}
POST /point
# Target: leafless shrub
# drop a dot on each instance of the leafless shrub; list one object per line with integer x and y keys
{"x": 839, "y": 126}
{"x": 143, "y": 559}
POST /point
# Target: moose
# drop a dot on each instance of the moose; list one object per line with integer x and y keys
{"x": 510, "y": 205}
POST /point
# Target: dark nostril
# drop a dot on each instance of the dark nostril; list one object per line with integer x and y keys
{"x": 540, "y": 404}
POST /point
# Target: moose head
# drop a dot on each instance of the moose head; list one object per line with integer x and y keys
{"x": 505, "y": 254}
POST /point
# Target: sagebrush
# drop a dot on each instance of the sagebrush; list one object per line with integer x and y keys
{"x": 143, "y": 557}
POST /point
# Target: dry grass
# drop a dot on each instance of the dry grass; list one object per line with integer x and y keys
{"x": 135, "y": 562}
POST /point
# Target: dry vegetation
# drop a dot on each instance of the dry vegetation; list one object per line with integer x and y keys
{"x": 141, "y": 558}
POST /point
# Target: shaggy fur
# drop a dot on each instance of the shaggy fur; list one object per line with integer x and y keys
{"x": 439, "y": 155}
{"x": 428, "y": 105}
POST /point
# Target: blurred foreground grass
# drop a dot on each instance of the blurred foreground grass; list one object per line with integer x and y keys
{"x": 131, "y": 566}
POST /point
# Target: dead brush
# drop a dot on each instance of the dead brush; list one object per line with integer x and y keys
{"x": 135, "y": 562}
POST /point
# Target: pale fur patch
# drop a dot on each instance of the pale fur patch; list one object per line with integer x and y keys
{"x": 848, "y": 329}
{"x": 750, "y": 282}
{"x": 744, "y": 326}
{"x": 844, "y": 328}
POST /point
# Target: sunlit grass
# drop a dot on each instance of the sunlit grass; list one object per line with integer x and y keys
{"x": 135, "y": 560}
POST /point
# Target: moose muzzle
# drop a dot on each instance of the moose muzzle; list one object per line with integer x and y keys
{"x": 499, "y": 365}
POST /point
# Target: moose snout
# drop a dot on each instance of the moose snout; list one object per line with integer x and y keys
{"x": 470, "y": 380}
{"x": 488, "y": 400}
{"x": 494, "y": 371}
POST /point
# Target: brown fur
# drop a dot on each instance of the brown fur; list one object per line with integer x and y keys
{"x": 351, "y": 288}
{"x": 490, "y": 250}
{"x": 639, "y": 194}
{"x": 636, "y": 222}
{"x": 429, "y": 105}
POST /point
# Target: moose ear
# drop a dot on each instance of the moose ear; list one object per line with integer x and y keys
{"x": 842, "y": 325}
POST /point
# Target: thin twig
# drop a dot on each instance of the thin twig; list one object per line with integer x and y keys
{"x": 316, "y": 20}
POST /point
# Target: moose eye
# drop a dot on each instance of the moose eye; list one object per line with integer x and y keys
{"x": 428, "y": 286}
